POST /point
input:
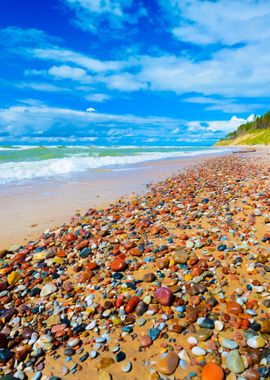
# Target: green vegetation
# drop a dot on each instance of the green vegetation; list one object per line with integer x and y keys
{"x": 256, "y": 132}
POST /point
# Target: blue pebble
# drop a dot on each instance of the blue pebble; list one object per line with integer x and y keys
{"x": 117, "y": 275}
{"x": 128, "y": 329}
{"x": 249, "y": 287}
{"x": 153, "y": 333}
{"x": 222, "y": 247}
{"x": 120, "y": 356}
{"x": 192, "y": 374}
{"x": 68, "y": 358}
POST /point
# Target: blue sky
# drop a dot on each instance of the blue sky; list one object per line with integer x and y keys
{"x": 132, "y": 72}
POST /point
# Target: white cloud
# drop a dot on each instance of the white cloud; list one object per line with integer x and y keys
{"x": 124, "y": 82}
{"x": 42, "y": 86}
{"x": 219, "y": 125}
{"x": 68, "y": 72}
{"x": 68, "y": 56}
{"x": 228, "y": 21}
{"x": 90, "y": 109}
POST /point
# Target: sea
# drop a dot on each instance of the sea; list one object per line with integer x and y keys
{"x": 23, "y": 163}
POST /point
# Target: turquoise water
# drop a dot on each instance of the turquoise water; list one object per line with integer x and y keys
{"x": 24, "y": 162}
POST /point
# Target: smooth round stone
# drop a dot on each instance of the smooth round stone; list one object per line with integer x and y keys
{"x": 222, "y": 247}
{"x": 91, "y": 325}
{"x": 234, "y": 362}
{"x": 198, "y": 351}
{"x": 228, "y": 343}
{"x": 93, "y": 354}
{"x": 234, "y": 308}
{"x": 168, "y": 365}
{"x": 104, "y": 363}
{"x": 135, "y": 252}
{"x": 163, "y": 263}
{"x": 145, "y": 341}
{"x": 69, "y": 351}
{"x": 204, "y": 334}
{"x": 192, "y": 340}
{"x": 256, "y": 342}
{"x": 141, "y": 308}
{"x": 118, "y": 265}
{"x": 149, "y": 277}
{"x": 105, "y": 376}
{"x": 72, "y": 342}
{"x": 181, "y": 257}
{"x": 48, "y": 289}
{"x": 5, "y": 355}
{"x": 132, "y": 303}
{"x": 85, "y": 252}
{"x": 141, "y": 321}
{"x": 212, "y": 371}
{"x": 84, "y": 357}
{"x": 164, "y": 296}
{"x": 120, "y": 356}
{"x": 219, "y": 326}
{"x": 208, "y": 323}
{"x": 127, "y": 366}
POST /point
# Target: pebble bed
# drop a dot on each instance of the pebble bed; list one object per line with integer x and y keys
{"x": 173, "y": 284}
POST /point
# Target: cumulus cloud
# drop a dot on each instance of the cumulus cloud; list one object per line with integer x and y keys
{"x": 220, "y": 125}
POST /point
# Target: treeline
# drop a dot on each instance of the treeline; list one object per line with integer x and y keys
{"x": 260, "y": 122}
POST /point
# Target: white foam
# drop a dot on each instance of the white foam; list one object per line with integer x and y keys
{"x": 26, "y": 170}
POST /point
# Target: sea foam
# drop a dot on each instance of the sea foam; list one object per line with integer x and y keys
{"x": 27, "y": 170}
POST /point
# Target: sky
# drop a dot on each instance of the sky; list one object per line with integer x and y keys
{"x": 158, "y": 72}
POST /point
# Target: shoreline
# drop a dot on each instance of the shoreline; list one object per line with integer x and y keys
{"x": 41, "y": 205}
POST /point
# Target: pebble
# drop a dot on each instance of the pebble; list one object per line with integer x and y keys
{"x": 234, "y": 362}
{"x": 127, "y": 366}
{"x": 168, "y": 365}
{"x": 212, "y": 371}
{"x": 198, "y": 351}
{"x": 228, "y": 343}
{"x": 5, "y": 355}
{"x": 256, "y": 342}
{"x": 164, "y": 296}
{"x": 47, "y": 290}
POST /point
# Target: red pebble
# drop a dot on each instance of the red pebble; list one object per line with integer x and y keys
{"x": 132, "y": 303}
{"x": 118, "y": 265}
{"x": 164, "y": 296}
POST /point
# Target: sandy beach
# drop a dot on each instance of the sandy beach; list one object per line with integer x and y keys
{"x": 169, "y": 284}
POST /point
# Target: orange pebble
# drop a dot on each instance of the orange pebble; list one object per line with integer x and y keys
{"x": 212, "y": 371}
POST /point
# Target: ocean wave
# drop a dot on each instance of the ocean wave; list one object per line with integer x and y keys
{"x": 27, "y": 170}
